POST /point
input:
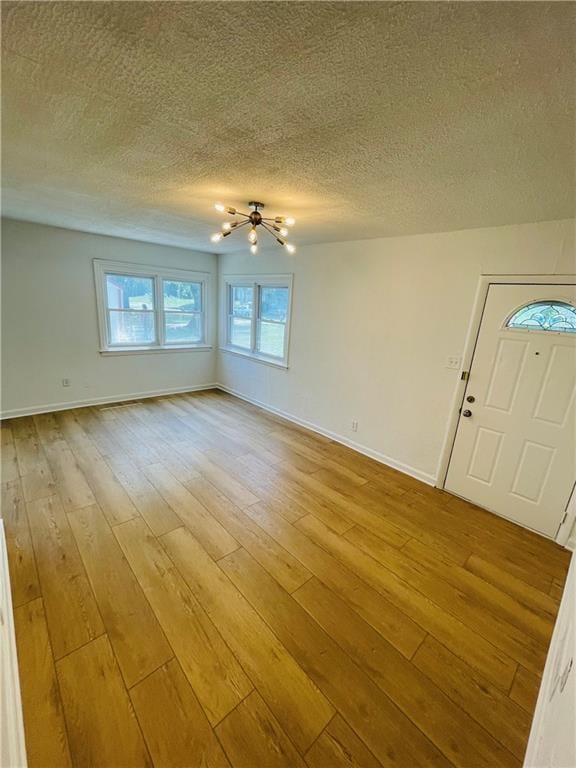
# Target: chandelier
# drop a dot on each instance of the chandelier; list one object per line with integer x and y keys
{"x": 277, "y": 227}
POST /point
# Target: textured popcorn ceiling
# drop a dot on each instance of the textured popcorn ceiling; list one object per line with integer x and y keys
{"x": 360, "y": 119}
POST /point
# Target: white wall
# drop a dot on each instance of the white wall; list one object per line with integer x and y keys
{"x": 373, "y": 322}
{"x": 49, "y": 323}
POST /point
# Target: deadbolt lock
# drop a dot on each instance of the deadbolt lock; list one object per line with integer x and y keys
{"x": 470, "y": 399}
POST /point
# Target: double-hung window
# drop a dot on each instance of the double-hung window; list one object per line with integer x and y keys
{"x": 149, "y": 308}
{"x": 257, "y": 316}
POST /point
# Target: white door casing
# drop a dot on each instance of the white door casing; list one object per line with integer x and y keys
{"x": 516, "y": 454}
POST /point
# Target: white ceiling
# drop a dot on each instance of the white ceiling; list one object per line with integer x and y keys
{"x": 360, "y": 119}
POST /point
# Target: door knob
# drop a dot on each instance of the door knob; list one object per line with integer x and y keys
{"x": 467, "y": 413}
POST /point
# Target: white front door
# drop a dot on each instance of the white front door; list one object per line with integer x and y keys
{"x": 515, "y": 446}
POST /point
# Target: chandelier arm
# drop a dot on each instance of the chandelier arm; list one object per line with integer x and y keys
{"x": 239, "y": 213}
{"x": 239, "y": 226}
{"x": 270, "y": 231}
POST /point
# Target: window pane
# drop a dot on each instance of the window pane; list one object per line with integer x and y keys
{"x": 182, "y": 328}
{"x": 182, "y": 295}
{"x": 129, "y": 292}
{"x": 241, "y": 300}
{"x": 271, "y": 339}
{"x": 132, "y": 328}
{"x": 240, "y": 331}
{"x": 274, "y": 304}
{"x": 545, "y": 316}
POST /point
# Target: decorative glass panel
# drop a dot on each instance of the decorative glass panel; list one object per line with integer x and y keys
{"x": 545, "y": 316}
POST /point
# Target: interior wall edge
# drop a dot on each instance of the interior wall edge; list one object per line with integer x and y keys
{"x": 358, "y": 447}
{"x": 12, "y": 746}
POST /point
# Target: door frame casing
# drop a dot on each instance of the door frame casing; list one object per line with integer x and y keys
{"x": 484, "y": 283}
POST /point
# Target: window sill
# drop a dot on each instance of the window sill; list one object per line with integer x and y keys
{"x": 255, "y": 357}
{"x": 153, "y": 350}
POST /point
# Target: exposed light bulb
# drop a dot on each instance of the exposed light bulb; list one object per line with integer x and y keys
{"x": 252, "y": 236}
{"x": 283, "y": 231}
{"x": 227, "y": 225}
{"x": 290, "y": 248}
{"x": 216, "y": 238}
{"x": 220, "y": 207}
{"x": 254, "y": 249}
{"x": 289, "y": 221}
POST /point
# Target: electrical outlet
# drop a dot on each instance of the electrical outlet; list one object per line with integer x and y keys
{"x": 354, "y": 425}
{"x": 66, "y": 382}
{"x": 453, "y": 362}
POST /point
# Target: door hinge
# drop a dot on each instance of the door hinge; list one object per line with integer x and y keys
{"x": 465, "y": 375}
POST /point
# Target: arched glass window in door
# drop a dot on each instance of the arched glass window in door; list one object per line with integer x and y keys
{"x": 556, "y": 316}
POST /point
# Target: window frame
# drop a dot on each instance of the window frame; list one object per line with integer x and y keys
{"x": 158, "y": 275}
{"x": 256, "y": 282}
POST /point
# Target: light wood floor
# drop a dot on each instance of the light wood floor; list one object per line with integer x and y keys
{"x": 199, "y": 583}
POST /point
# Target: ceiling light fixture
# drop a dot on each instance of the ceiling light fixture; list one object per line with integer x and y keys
{"x": 277, "y": 226}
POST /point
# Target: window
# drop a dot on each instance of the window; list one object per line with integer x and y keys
{"x": 557, "y": 316}
{"x": 146, "y": 308}
{"x": 257, "y": 316}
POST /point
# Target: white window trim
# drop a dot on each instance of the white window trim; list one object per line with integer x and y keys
{"x": 158, "y": 274}
{"x": 254, "y": 281}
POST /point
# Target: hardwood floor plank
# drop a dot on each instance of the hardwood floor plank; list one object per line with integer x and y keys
{"x": 9, "y": 463}
{"x": 382, "y": 726}
{"x": 339, "y": 747}
{"x": 158, "y": 514}
{"x": 252, "y": 736}
{"x": 414, "y": 693}
{"x": 525, "y": 689}
{"x": 37, "y": 479}
{"x": 24, "y": 582}
{"x": 394, "y": 625}
{"x": 499, "y": 715}
{"x": 524, "y": 593}
{"x": 71, "y": 611}
{"x": 450, "y": 597}
{"x": 213, "y": 537}
{"x": 228, "y": 485}
{"x": 174, "y": 726}
{"x": 295, "y": 701}
{"x": 216, "y": 677}
{"x": 494, "y": 600}
{"x": 493, "y": 663}
{"x": 139, "y": 643}
{"x": 102, "y": 727}
{"x": 69, "y": 478}
{"x": 380, "y": 502}
{"x": 287, "y": 571}
{"x": 45, "y": 730}
{"x": 21, "y": 427}
{"x": 258, "y": 481}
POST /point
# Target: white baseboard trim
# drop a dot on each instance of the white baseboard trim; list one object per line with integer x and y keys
{"x": 48, "y": 408}
{"x": 363, "y": 449}
{"x": 12, "y": 744}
